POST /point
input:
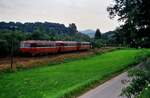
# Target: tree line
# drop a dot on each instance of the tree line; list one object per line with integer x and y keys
{"x": 110, "y": 38}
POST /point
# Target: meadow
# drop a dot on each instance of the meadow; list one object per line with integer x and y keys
{"x": 66, "y": 79}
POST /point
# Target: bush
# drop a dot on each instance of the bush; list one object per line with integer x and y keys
{"x": 98, "y": 43}
{"x": 140, "y": 79}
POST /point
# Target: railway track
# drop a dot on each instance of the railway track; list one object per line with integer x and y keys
{"x": 28, "y": 62}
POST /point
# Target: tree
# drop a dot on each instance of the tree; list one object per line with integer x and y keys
{"x": 6, "y": 37}
{"x": 40, "y": 36}
{"x": 3, "y": 47}
{"x": 140, "y": 80}
{"x": 97, "y": 34}
{"x": 73, "y": 28}
{"x": 135, "y": 15}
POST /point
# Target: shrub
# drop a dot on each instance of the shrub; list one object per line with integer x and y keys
{"x": 140, "y": 79}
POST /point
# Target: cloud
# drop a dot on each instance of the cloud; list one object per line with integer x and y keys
{"x": 87, "y": 14}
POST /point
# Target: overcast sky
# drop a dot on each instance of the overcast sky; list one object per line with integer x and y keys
{"x": 87, "y": 14}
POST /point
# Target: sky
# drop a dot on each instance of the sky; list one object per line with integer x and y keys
{"x": 86, "y": 14}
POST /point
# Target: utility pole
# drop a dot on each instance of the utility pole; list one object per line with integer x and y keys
{"x": 12, "y": 49}
{"x": 12, "y": 53}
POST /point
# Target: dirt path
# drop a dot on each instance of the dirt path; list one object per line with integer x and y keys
{"x": 27, "y": 62}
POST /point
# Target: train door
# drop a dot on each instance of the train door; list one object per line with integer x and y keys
{"x": 60, "y": 47}
{"x": 78, "y": 46}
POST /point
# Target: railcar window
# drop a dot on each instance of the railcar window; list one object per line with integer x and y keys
{"x": 33, "y": 45}
{"x": 42, "y": 45}
{"x": 66, "y": 44}
{"x": 70, "y": 44}
{"x": 59, "y": 44}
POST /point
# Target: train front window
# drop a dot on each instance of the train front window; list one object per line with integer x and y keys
{"x": 25, "y": 45}
{"x": 33, "y": 45}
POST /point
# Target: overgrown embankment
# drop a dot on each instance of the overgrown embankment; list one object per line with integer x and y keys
{"x": 67, "y": 79}
{"x": 53, "y": 59}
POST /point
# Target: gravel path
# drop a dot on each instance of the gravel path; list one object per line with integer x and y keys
{"x": 110, "y": 89}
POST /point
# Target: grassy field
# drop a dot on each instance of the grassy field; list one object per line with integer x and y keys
{"x": 61, "y": 81}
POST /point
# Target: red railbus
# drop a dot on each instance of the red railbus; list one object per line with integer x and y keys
{"x": 44, "y": 47}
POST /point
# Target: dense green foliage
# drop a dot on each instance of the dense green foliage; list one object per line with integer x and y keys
{"x": 140, "y": 79}
{"x": 146, "y": 89}
{"x": 113, "y": 38}
{"x": 98, "y": 43}
{"x": 17, "y": 32}
{"x": 65, "y": 79}
{"x": 6, "y": 38}
{"x": 135, "y": 15}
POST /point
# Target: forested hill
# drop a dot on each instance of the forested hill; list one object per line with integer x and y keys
{"x": 38, "y": 26}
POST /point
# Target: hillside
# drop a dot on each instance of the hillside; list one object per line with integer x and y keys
{"x": 89, "y": 32}
{"x": 33, "y": 27}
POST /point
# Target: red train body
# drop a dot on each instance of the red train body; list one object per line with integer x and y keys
{"x": 45, "y": 47}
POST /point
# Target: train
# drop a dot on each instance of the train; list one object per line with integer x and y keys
{"x": 35, "y": 47}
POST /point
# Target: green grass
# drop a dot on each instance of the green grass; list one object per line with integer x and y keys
{"x": 145, "y": 93}
{"x": 63, "y": 80}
